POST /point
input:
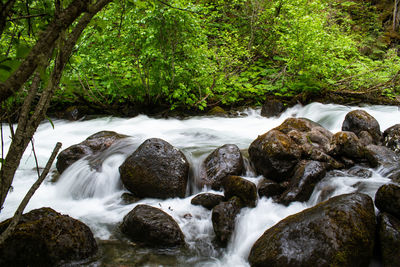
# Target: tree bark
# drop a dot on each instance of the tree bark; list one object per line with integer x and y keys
{"x": 28, "y": 125}
{"x": 37, "y": 53}
{"x": 5, "y": 11}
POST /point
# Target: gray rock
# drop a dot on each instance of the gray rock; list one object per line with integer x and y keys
{"x": 152, "y": 227}
{"x": 156, "y": 169}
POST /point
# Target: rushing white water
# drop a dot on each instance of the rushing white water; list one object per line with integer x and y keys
{"x": 94, "y": 196}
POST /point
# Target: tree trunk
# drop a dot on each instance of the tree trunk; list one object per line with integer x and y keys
{"x": 27, "y": 125}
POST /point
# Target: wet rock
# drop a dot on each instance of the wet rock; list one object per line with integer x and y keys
{"x": 225, "y": 160}
{"x": 277, "y": 152}
{"x": 391, "y": 138}
{"x": 307, "y": 174}
{"x": 44, "y": 237}
{"x": 127, "y": 198}
{"x": 269, "y": 188}
{"x": 207, "y": 200}
{"x": 152, "y": 227}
{"x": 387, "y": 199}
{"x": 217, "y": 111}
{"x": 156, "y": 169}
{"x": 366, "y": 138}
{"x": 387, "y": 159}
{"x": 389, "y": 239}
{"x": 337, "y": 232}
{"x": 347, "y": 144}
{"x": 223, "y": 219}
{"x": 272, "y": 107}
{"x": 359, "y": 120}
{"x": 274, "y": 155}
{"x": 359, "y": 171}
{"x": 95, "y": 143}
{"x": 73, "y": 113}
{"x": 242, "y": 188}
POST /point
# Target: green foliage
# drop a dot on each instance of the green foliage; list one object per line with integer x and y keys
{"x": 188, "y": 54}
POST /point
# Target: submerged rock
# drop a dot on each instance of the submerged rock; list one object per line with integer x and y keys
{"x": 387, "y": 199}
{"x": 223, "y": 219}
{"x": 337, "y": 232}
{"x": 153, "y": 227}
{"x": 225, "y": 160}
{"x": 306, "y": 176}
{"x": 242, "y": 188}
{"x": 156, "y": 169}
{"x": 207, "y": 200}
{"x": 95, "y": 143}
{"x": 389, "y": 239}
{"x": 391, "y": 138}
{"x": 44, "y": 237}
{"x": 358, "y": 121}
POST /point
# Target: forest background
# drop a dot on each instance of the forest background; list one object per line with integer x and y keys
{"x": 194, "y": 55}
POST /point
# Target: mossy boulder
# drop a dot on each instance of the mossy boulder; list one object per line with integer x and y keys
{"x": 223, "y": 219}
{"x": 217, "y": 111}
{"x": 95, "y": 143}
{"x": 207, "y": 200}
{"x": 391, "y": 138}
{"x": 156, "y": 169}
{"x": 44, "y": 237}
{"x": 387, "y": 199}
{"x": 347, "y": 144}
{"x": 389, "y": 239}
{"x": 307, "y": 174}
{"x": 223, "y": 161}
{"x": 152, "y": 227}
{"x": 269, "y": 188}
{"x": 337, "y": 232}
{"x": 359, "y": 120}
{"x": 242, "y": 188}
{"x": 274, "y": 155}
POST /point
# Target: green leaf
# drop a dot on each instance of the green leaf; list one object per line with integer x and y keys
{"x": 51, "y": 122}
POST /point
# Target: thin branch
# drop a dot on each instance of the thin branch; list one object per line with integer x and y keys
{"x": 178, "y": 8}
{"x": 27, "y": 17}
{"x": 17, "y": 216}
{"x": 36, "y": 160}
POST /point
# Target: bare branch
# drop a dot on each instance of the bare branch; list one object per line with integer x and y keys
{"x": 27, "y": 17}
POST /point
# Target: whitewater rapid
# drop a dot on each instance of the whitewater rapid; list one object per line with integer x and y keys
{"x": 94, "y": 197}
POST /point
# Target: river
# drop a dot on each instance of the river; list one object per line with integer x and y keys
{"x": 94, "y": 197}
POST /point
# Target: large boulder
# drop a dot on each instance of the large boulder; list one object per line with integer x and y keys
{"x": 358, "y": 121}
{"x": 337, "y": 232}
{"x": 156, "y": 169}
{"x": 347, "y": 144}
{"x": 44, "y": 237}
{"x": 152, "y": 227}
{"x": 389, "y": 239}
{"x": 95, "y": 143}
{"x": 274, "y": 155}
{"x": 391, "y": 138}
{"x": 242, "y": 188}
{"x": 387, "y": 199}
{"x": 306, "y": 176}
{"x": 225, "y": 160}
{"x": 223, "y": 219}
{"x": 207, "y": 200}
